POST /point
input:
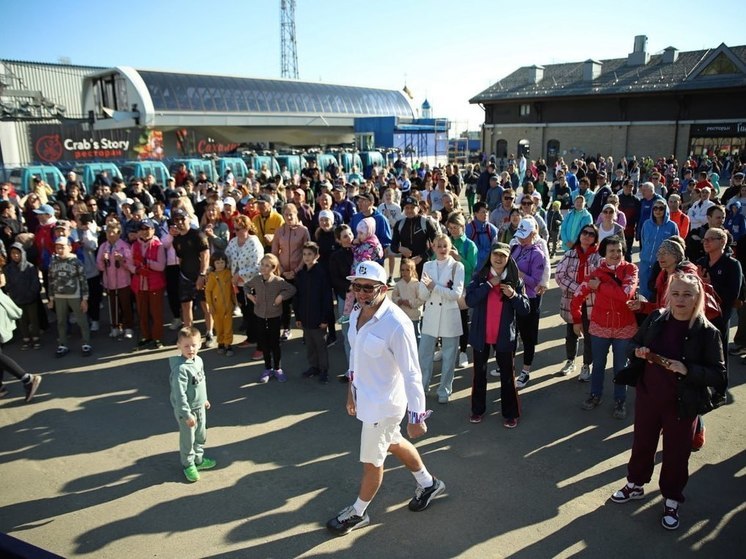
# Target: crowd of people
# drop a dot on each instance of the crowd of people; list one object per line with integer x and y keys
{"x": 283, "y": 251}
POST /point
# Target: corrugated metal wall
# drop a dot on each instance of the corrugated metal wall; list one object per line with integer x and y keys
{"x": 59, "y": 83}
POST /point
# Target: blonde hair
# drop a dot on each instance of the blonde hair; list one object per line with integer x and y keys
{"x": 441, "y": 237}
{"x": 694, "y": 281}
{"x": 409, "y": 263}
{"x": 275, "y": 263}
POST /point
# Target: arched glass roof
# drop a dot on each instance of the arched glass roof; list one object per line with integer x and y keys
{"x": 199, "y": 93}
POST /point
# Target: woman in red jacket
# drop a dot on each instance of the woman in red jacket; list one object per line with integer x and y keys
{"x": 612, "y": 324}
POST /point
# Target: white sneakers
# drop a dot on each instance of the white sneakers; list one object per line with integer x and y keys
{"x": 568, "y": 368}
{"x": 175, "y": 324}
{"x": 463, "y": 359}
{"x": 585, "y": 373}
{"x": 438, "y": 355}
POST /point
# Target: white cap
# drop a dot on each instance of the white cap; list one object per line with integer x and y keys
{"x": 525, "y": 228}
{"x": 229, "y": 201}
{"x": 369, "y": 270}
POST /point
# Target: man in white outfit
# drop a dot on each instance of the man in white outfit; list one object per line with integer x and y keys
{"x": 386, "y": 384}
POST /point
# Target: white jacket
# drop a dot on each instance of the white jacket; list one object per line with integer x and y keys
{"x": 442, "y": 317}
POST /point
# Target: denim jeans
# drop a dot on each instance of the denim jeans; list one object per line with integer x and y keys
{"x": 600, "y": 351}
{"x": 449, "y": 349}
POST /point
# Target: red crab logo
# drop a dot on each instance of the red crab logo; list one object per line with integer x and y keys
{"x": 49, "y": 148}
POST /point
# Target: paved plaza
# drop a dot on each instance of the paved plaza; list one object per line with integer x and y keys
{"x": 91, "y": 467}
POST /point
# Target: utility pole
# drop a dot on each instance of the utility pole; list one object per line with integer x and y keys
{"x": 288, "y": 47}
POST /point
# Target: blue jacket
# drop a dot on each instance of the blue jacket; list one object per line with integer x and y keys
{"x": 383, "y": 229}
{"x": 476, "y": 297}
{"x": 483, "y": 235}
{"x": 574, "y": 221}
{"x": 652, "y": 235}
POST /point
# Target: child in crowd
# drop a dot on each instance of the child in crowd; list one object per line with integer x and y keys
{"x": 85, "y": 240}
{"x": 365, "y": 247}
{"x": 68, "y": 291}
{"x": 406, "y": 293}
{"x": 24, "y": 288}
{"x": 113, "y": 254}
{"x": 267, "y": 291}
{"x": 190, "y": 403}
{"x": 313, "y": 305}
{"x": 221, "y": 300}
{"x": 554, "y": 222}
{"x": 393, "y": 213}
{"x": 148, "y": 266}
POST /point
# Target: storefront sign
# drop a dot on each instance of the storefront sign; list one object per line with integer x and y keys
{"x": 725, "y": 129}
{"x": 54, "y": 143}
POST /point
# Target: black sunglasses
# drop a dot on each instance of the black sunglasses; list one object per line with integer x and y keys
{"x": 358, "y": 287}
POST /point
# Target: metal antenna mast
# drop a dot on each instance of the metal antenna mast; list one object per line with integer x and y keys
{"x": 289, "y": 54}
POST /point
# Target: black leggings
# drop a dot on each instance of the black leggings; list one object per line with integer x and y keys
{"x": 287, "y": 307}
{"x": 269, "y": 340}
{"x": 528, "y": 328}
{"x": 7, "y": 364}
{"x": 172, "y": 290}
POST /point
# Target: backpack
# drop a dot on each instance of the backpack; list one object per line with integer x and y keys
{"x": 423, "y": 223}
{"x": 475, "y": 233}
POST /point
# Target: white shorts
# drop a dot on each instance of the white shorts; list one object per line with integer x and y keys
{"x": 376, "y": 438}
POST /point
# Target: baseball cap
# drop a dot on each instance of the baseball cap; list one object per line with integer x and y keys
{"x": 178, "y": 213}
{"x": 129, "y": 201}
{"x": 229, "y": 201}
{"x": 147, "y": 224}
{"x": 62, "y": 241}
{"x": 45, "y": 209}
{"x": 525, "y": 228}
{"x": 264, "y": 198}
{"x": 369, "y": 270}
{"x": 339, "y": 187}
{"x": 327, "y": 214}
{"x": 408, "y": 201}
{"x": 367, "y": 195}
{"x": 501, "y": 248}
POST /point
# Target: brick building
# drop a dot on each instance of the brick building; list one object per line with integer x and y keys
{"x": 667, "y": 103}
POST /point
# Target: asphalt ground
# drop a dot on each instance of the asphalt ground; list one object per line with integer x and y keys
{"x": 90, "y": 467}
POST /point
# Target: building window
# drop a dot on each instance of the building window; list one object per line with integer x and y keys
{"x": 721, "y": 65}
{"x": 501, "y": 149}
{"x": 525, "y": 109}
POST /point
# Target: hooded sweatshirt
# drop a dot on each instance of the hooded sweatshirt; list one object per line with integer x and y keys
{"x": 22, "y": 279}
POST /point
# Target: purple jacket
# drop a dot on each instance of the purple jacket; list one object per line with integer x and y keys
{"x": 531, "y": 263}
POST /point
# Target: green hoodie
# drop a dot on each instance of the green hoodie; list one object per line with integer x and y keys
{"x": 188, "y": 385}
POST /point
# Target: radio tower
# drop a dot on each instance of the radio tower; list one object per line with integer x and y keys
{"x": 289, "y": 54}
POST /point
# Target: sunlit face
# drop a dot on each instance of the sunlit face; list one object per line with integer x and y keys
{"x": 410, "y": 210}
{"x": 112, "y": 234}
{"x": 482, "y": 215}
{"x": 614, "y": 254}
{"x": 713, "y": 241}
{"x": 515, "y": 219}
{"x": 266, "y": 267}
{"x": 716, "y": 219}
{"x": 374, "y": 290}
{"x": 146, "y": 234}
{"x": 441, "y": 248}
{"x": 683, "y": 298}
{"x": 346, "y": 238}
{"x": 407, "y": 271}
{"x": 291, "y": 215}
{"x": 61, "y": 249}
{"x": 189, "y": 346}
{"x": 579, "y": 203}
{"x": 325, "y": 223}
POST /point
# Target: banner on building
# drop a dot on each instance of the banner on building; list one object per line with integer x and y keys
{"x": 53, "y": 143}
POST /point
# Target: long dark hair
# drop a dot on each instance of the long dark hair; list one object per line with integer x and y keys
{"x": 580, "y": 234}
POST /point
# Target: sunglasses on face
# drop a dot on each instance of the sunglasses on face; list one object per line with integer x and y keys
{"x": 659, "y": 209}
{"x": 589, "y": 233}
{"x": 358, "y": 287}
{"x": 608, "y": 211}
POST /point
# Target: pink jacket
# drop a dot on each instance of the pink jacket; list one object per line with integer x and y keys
{"x": 113, "y": 276}
{"x": 147, "y": 265}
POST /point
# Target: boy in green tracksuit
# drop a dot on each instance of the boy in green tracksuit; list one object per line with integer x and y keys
{"x": 189, "y": 400}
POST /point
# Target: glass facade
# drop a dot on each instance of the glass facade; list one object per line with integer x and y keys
{"x": 198, "y": 93}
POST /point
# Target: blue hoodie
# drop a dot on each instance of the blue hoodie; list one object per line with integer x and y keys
{"x": 651, "y": 237}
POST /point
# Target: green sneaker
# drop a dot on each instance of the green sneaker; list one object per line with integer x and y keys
{"x": 191, "y": 473}
{"x": 206, "y": 464}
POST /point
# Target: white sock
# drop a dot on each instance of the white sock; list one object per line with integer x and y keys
{"x": 423, "y": 477}
{"x": 632, "y": 485}
{"x": 672, "y": 504}
{"x": 360, "y": 506}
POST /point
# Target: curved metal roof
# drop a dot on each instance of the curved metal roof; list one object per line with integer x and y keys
{"x": 225, "y": 94}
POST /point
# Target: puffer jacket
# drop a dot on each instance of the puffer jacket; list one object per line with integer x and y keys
{"x": 609, "y": 317}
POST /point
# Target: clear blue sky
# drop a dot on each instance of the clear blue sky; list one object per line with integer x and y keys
{"x": 446, "y": 51}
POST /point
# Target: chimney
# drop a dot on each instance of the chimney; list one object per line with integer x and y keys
{"x": 639, "y": 56}
{"x": 535, "y": 74}
{"x": 670, "y": 55}
{"x": 591, "y": 70}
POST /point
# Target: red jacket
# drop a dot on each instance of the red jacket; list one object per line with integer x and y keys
{"x": 148, "y": 265}
{"x": 610, "y": 317}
